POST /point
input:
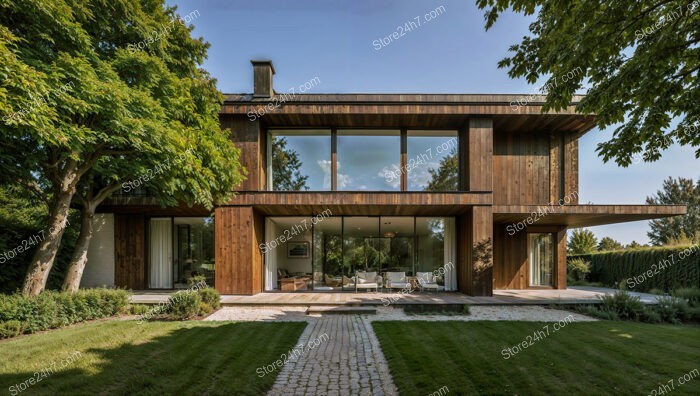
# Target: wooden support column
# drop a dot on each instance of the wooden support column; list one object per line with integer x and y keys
{"x": 560, "y": 259}
{"x": 556, "y": 168}
{"x": 130, "y": 267}
{"x": 239, "y": 259}
{"x": 475, "y": 228}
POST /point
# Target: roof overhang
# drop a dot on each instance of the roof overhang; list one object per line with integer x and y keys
{"x": 510, "y": 113}
{"x": 582, "y": 215}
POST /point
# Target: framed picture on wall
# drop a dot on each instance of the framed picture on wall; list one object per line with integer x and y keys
{"x": 298, "y": 249}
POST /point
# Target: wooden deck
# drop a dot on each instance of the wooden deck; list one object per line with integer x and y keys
{"x": 573, "y": 295}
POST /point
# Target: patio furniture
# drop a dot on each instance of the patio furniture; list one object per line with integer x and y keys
{"x": 397, "y": 280}
{"x": 427, "y": 281}
{"x": 293, "y": 284}
{"x": 366, "y": 280}
{"x": 333, "y": 282}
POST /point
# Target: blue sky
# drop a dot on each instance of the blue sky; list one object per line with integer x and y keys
{"x": 333, "y": 40}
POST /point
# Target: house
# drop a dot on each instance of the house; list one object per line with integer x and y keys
{"x": 460, "y": 192}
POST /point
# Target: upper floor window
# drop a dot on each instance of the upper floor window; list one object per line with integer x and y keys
{"x": 432, "y": 160}
{"x": 368, "y": 159}
{"x": 299, "y": 160}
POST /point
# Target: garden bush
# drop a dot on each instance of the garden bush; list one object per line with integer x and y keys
{"x": 184, "y": 305}
{"x": 211, "y": 297}
{"x": 690, "y": 294}
{"x": 623, "y": 304}
{"x": 50, "y": 309}
{"x": 641, "y": 270}
{"x": 672, "y": 309}
{"x": 10, "y": 329}
{"x": 578, "y": 269}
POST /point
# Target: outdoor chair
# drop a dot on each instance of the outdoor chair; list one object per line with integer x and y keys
{"x": 427, "y": 281}
{"x": 397, "y": 280}
{"x": 366, "y": 280}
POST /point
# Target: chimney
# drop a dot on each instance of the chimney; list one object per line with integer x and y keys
{"x": 262, "y": 78}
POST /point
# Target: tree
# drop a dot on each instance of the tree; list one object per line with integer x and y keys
{"x": 608, "y": 244}
{"x": 110, "y": 90}
{"x": 286, "y": 167}
{"x": 679, "y": 191}
{"x": 634, "y": 245}
{"x": 446, "y": 176}
{"x": 582, "y": 241}
{"x": 639, "y": 59}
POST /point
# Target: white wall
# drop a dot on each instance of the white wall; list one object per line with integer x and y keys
{"x": 99, "y": 270}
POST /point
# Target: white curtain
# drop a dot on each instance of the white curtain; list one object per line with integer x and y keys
{"x": 161, "y": 269}
{"x": 270, "y": 257}
{"x": 450, "y": 255}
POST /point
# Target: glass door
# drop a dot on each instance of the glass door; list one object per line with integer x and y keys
{"x": 161, "y": 254}
{"x": 541, "y": 254}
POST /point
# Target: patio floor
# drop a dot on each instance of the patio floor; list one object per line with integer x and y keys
{"x": 572, "y": 295}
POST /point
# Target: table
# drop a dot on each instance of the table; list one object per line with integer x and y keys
{"x": 292, "y": 284}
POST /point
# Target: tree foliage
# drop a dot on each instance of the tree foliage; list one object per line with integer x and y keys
{"x": 639, "y": 58}
{"x": 679, "y": 191}
{"x": 607, "y": 244}
{"x": 92, "y": 97}
{"x": 581, "y": 241}
{"x": 286, "y": 167}
{"x": 446, "y": 176}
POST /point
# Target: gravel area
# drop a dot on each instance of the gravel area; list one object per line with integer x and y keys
{"x": 527, "y": 313}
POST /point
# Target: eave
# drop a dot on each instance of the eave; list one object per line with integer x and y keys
{"x": 582, "y": 215}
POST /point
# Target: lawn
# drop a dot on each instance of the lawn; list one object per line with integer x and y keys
{"x": 580, "y": 358}
{"x": 153, "y": 358}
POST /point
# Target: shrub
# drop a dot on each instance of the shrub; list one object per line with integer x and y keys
{"x": 690, "y": 294}
{"x": 204, "y": 308}
{"x": 184, "y": 305}
{"x": 211, "y": 297}
{"x": 10, "y": 329}
{"x": 624, "y": 305}
{"x": 672, "y": 309}
{"x": 52, "y": 309}
{"x": 650, "y": 315}
{"x": 139, "y": 309}
{"x": 594, "y": 311}
{"x": 578, "y": 269}
{"x": 196, "y": 280}
{"x": 666, "y": 268}
{"x": 656, "y": 291}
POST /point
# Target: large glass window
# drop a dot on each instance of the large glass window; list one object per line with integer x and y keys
{"x": 334, "y": 253}
{"x": 328, "y": 254}
{"x": 180, "y": 249}
{"x": 541, "y": 247}
{"x": 369, "y": 160}
{"x": 300, "y": 160}
{"x": 432, "y": 161}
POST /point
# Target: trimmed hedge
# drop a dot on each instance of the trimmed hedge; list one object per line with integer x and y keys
{"x": 51, "y": 309}
{"x": 641, "y": 270}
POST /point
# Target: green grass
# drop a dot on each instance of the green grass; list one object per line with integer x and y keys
{"x": 580, "y": 358}
{"x": 152, "y": 358}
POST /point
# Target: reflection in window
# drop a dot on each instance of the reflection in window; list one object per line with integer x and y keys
{"x": 369, "y": 160}
{"x": 300, "y": 160}
{"x": 541, "y": 258}
{"x": 433, "y": 161}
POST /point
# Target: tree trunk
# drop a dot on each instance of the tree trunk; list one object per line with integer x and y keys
{"x": 77, "y": 265}
{"x": 45, "y": 254}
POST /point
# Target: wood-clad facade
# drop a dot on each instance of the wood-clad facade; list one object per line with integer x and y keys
{"x": 517, "y": 184}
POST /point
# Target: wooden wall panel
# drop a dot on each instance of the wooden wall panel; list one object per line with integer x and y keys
{"x": 475, "y": 251}
{"x": 571, "y": 167}
{"x": 238, "y": 234}
{"x": 556, "y": 181}
{"x": 247, "y": 137}
{"x": 479, "y": 148}
{"x": 523, "y": 165}
{"x": 510, "y": 259}
{"x": 560, "y": 259}
{"x": 130, "y": 251}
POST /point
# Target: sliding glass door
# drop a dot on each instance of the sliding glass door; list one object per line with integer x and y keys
{"x": 324, "y": 255}
{"x": 161, "y": 254}
{"x": 180, "y": 250}
{"x": 541, "y": 248}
